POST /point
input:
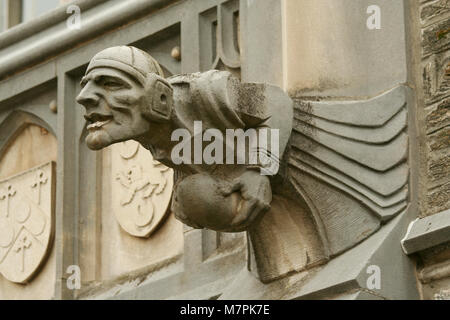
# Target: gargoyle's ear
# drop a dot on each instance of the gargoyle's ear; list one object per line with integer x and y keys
{"x": 159, "y": 102}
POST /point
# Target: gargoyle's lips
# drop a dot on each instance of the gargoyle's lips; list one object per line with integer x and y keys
{"x": 97, "y": 120}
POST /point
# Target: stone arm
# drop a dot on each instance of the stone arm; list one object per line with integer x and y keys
{"x": 222, "y": 102}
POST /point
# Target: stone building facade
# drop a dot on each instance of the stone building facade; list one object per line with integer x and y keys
{"x": 369, "y": 80}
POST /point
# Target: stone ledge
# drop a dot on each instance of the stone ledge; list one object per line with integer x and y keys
{"x": 47, "y": 20}
{"x": 30, "y": 49}
{"x": 427, "y": 232}
{"x": 344, "y": 277}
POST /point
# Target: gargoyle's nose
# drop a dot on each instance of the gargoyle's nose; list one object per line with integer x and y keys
{"x": 88, "y": 96}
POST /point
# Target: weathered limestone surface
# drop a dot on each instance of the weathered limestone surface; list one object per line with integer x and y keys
{"x": 436, "y": 77}
{"x": 350, "y": 177}
{"x": 141, "y": 189}
{"x": 344, "y": 276}
{"x": 439, "y": 170}
{"x": 434, "y": 10}
{"x": 438, "y": 199}
{"x": 438, "y": 116}
{"x": 344, "y": 172}
{"x": 32, "y": 146}
{"x": 160, "y": 240}
{"x": 428, "y": 236}
{"x": 435, "y": 19}
{"x": 27, "y": 222}
{"x": 329, "y": 51}
{"x": 436, "y": 38}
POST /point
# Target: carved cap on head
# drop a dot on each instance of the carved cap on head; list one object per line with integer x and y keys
{"x": 130, "y": 60}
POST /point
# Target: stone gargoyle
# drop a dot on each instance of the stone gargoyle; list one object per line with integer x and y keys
{"x": 320, "y": 178}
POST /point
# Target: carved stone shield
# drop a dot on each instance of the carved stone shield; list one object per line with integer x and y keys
{"x": 26, "y": 222}
{"x": 141, "y": 188}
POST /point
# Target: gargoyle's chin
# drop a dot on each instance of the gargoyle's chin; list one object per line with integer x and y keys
{"x": 98, "y": 139}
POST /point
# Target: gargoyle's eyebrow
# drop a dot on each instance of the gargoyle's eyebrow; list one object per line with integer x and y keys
{"x": 84, "y": 80}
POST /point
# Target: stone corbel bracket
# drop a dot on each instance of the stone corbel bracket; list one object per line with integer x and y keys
{"x": 425, "y": 237}
{"x": 427, "y": 232}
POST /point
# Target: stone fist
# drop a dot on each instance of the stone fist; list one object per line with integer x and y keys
{"x": 202, "y": 201}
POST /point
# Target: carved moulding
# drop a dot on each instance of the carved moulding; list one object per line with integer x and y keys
{"x": 345, "y": 173}
{"x": 26, "y": 222}
{"x": 141, "y": 189}
{"x": 220, "y": 35}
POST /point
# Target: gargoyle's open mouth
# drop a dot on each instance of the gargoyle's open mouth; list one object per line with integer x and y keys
{"x": 97, "y": 120}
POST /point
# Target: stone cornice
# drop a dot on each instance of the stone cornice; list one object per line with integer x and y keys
{"x": 427, "y": 232}
{"x": 47, "y": 20}
{"x": 41, "y": 39}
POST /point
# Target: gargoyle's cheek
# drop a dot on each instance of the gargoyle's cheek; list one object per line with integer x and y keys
{"x": 125, "y": 104}
{"x": 122, "y": 116}
{"x": 197, "y": 198}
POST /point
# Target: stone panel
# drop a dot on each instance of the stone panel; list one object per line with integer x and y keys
{"x": 26, "y": 222}
{"x": 134, "y": 247}
{"x": 362, "y": 62}
{"x": 31, "y": 147}
{"x": 141, "y": 189}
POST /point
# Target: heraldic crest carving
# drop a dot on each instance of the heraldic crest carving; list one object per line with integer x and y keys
{"x": 26, "y": 222}
{"x": 141, "y": 190}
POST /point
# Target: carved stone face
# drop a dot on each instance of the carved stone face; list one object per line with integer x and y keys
{"x": 113, "y": 101}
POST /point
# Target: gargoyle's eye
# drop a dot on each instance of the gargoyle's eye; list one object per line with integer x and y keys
{"x": 111, "y": 84}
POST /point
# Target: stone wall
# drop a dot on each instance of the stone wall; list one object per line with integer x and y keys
{"x": 435, "y": 37}
{"x": 427, "y": 240}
